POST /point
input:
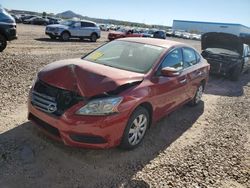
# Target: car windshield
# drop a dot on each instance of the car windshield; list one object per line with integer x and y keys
{"x": 5, "y": 16}
{"x": 68, "y": 22}
{"x": 131, "y": 56}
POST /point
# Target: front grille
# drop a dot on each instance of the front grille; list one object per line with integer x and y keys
{"x": 53, "y": 100}
{"x": 47, "y": 127}
{"x": 215, "y": 67}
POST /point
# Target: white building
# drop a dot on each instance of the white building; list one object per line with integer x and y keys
{"x": 204, "y": 27}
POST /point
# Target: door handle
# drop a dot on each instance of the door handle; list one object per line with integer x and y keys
{"x": 183, "y": 81}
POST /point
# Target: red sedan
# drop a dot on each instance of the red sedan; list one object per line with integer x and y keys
{"x": 122, "y": 33}
{"x": 113, "y": 95}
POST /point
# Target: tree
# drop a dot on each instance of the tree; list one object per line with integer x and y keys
{"x": 44, "y": 14}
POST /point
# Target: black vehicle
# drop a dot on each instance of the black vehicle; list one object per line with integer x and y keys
{"x": 17, "y": 19}
{"x": 226, "y": 54}
{"x": 53, "y": 20}
{"x": 26, "y": 17}
{"x": 7, "y": 29}
{"x": 160, "y": 34}
{"x": 36, "y": 21}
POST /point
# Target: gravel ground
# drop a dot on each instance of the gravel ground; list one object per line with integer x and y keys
{"x": 204, "y": 146}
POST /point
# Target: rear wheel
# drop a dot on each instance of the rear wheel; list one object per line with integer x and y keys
{"x": 198, "y": 95}
{"x": 65, "y": 36}
{"x": 3, "y": 43}
{"x": 136, "y": 129}
{"x": 93, "y": 37}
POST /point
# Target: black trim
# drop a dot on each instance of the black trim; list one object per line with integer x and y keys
{"x": 47, "y": 127}
{"x": 88, "y": 139}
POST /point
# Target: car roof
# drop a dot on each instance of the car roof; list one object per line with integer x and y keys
{"x": 154, "y": 41}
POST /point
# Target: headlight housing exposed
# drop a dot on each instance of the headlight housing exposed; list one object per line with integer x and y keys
{"x": 100, "y": 107}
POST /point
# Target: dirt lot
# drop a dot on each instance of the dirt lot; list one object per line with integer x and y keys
{"x": 204, "y": 146}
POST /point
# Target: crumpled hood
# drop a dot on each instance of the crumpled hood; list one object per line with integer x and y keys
{"x": 86, "y": 78}
{"x": 222, "y": 40}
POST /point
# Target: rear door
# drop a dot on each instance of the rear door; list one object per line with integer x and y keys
{"x": 193, "y": 69}
{"x": 169, "y": 92}
{"x": 87, "y": 28}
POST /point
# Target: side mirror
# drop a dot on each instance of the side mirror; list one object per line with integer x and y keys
{"x": 170, "y": 72}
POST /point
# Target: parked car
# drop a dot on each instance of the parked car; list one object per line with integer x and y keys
{"x": 104, "y": 27}
{"x": 122, "y": 33}
{"x": 226, "y": 54}
{"x": 36, "y": 21}
{"x": 17, "y": 18}
{"x": 53, "y": 20}
{"x": 160, "y": 34}
{"x": 186, "y": 35}
{"x": 170, "y": 32}
{"x": 194, "y": 36}
{"x": 74, "y": 29}
{"x": 178, "y": 34}
{"x": 7, "y": 29}
{"x": 111, "y": 96}
{"x": 26, "y": 17}
{"x": 149, "y": 33}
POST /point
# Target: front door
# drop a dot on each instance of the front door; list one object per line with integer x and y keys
{"x": 170, "y": 92}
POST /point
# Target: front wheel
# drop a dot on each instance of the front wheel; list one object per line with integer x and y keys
{"x": 136, "y": 128}
{"x": 3, "y": 43}
{"x": 198, "y": 95}
{"x": 93, "y": 37}
{"x": 65, "y": 36}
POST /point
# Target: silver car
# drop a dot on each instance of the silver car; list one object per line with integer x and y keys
{"x": 74, "y": 29}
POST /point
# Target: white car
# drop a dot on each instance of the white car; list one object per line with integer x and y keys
{"x": 195, "y": 36}
{"x": 74, "y": 29}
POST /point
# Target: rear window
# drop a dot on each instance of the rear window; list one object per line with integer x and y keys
{"x": 87, "y": 24}
{"x": 189, "y": 56}
{"x": 131, "y": 56}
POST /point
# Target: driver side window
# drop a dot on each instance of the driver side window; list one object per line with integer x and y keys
{"x": 174, "y": 60}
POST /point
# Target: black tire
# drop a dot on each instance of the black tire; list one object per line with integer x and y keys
{"x": 125, "y": 143}
{"x": 93, "y": 37}
{"x": 3, "y": 43}
{"x": 235, "y": 73}
{"x": 197, "y": 97}
{"x": 65, "y": 36}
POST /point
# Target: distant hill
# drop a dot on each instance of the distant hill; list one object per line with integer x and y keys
{"x": 69, "y": 15}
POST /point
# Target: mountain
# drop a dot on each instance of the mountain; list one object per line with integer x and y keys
{"x": 69, "y": 15}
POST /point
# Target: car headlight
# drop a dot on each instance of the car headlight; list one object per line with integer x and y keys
{"x": 102, "y": 106}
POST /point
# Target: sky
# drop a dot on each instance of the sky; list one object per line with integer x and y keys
{"x": 161, "y": 12}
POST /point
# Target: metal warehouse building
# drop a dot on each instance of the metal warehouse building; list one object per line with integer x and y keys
{"x": 204, "y": 27}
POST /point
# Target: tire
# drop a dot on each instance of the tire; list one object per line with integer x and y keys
{"x": 235, "y": 73}
{"x": 93, "y": 37}
{"x": 197, "y": 97}
{"x": 3, "y": 43}
{"x": 131, "y": 138}
{"x": 65, "y": 36}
